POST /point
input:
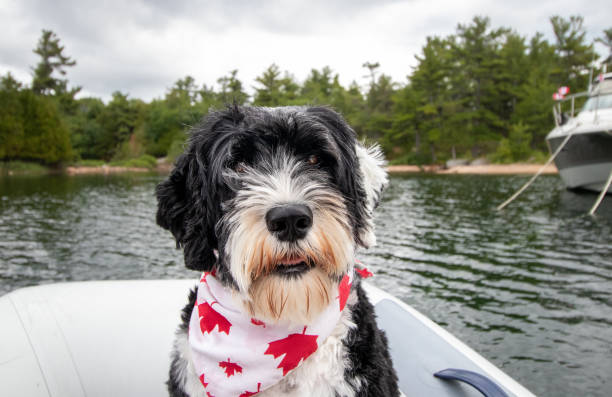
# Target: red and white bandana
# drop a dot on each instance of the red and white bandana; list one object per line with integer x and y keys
{"x": 236, "y": 355}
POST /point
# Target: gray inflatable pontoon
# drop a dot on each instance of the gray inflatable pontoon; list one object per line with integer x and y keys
{"x": 86, "y": 339}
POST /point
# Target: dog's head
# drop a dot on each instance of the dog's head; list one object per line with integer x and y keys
{"x": 284, "y": 195}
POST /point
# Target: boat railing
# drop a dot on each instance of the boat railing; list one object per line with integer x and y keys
{"x": 557, "y": 111}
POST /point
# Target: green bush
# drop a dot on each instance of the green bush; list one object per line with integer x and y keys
{"x": 22, "y": 167}
{"x": 514, "y": 148}
{"x": 412, "y": 158}
{"x": 144, "y": 161}
{"x": 90, "y": 163}
{"x": 176, "y": 148}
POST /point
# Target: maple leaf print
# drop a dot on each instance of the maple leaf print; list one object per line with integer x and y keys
{"x": 210, "y": 318}
{"x": 343, "y": 291}
{"x": 209, "y": 395}
{"x": 230, "y": 368}
{"x": 251, "y": 393}
{"x": 202, "y": 380}
{"x": 295, "y": 347}
{"x": 364, "y": 273}
{"x": 257, "y": 322}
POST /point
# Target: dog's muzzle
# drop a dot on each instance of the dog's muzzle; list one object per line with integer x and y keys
{"x": 289, "y": 222}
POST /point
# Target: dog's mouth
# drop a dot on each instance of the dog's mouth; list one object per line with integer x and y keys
{"x": 292, "y": 267}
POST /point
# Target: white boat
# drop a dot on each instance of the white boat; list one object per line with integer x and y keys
{"x": 585, "y": 161}
{"x": 87, "y": 339}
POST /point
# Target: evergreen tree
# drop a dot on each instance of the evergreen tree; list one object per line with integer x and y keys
{"x": 52, "y": 60}
{"x": 573, "y": 52}
{"x": 606, "y": 40}
{"x": 275, "y": 90}
{"x": 231, "y": 89}
{"x": 8, "y": 83}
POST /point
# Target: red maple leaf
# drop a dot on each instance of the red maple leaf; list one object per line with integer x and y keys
{"x": 251, "y": 393}
{"x": 257, "y": 322}
{"x": 230, "y": 368}
{"x": 295, "y": 347}
{"x": 364, "y": 273}
{"x": 209, "y": 395}
{"x": 202, "y": 380}
{"x": 343, "y": 291}
{"x": 209, "y": 319}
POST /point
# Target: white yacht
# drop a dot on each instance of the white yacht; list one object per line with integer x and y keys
{"x": 585, "y": 161}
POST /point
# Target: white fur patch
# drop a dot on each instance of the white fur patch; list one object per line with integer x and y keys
{"x": 372, "y": 168}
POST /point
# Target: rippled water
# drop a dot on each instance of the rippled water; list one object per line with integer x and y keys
{"x": 530, "y": 288}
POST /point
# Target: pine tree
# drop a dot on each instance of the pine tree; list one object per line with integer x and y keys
{"x": 606, "y": 40}
{"x": 573, "y": 52}
{"x": 275, "y": 90}
{"x": 53, "y": 60}
{"x": 231, "y": 89}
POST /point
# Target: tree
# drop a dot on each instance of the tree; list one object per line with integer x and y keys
{"x": 53, "y": 60}
{"x": 31, "y": 129}
{"x": 318, "y": 86}
{"x": 372, "y": 70}
{"x": 231, "y": 89}
{"x": 8, "y": 83}
{"x": 606, "y": 40}
{"x": 275, "y": 90}
{"x": 118, "y": 120}
{"x": 183, "y": 93}
{"x": 573, "y": 52}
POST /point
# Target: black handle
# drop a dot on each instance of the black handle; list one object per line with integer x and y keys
{"x": 483, "y": 384}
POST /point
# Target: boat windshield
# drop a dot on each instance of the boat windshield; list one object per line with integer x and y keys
{"x": 599, "y": 102}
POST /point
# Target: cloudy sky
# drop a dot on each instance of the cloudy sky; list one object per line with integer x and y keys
{"x": 142, "y": 47}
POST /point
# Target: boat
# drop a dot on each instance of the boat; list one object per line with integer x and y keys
{"x": 87, "y": 339}
{"x": 585, "y": 159}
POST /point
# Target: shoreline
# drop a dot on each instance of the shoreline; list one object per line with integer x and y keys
{"x": 486, "y": 169}
{"x": 103, "y": 169}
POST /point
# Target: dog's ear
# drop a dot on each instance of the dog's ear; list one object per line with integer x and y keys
{"x": 182, "y": 209}
{"x": 361, "y": 175}
{"x": 374, "y": 180}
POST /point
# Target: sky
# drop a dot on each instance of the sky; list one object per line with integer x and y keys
{"x": 141, "y": 47}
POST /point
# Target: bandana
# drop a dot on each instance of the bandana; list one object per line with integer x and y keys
{"x": 236, "y": 355}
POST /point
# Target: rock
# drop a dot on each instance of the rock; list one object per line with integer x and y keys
{"x": 480, "y": 161}
{"x": 456, "y": 163}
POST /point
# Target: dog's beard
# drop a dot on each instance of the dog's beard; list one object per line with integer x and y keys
{"x": 274, "y": 292}
{"x": 291, "y": 300}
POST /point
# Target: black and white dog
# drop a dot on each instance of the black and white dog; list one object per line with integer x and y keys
{"x": 274, "y": 202}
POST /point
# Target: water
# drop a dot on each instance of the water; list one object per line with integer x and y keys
{"x": 530, "y": 288}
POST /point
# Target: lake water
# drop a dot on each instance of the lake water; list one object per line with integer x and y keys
{"x": 530, "y": 288}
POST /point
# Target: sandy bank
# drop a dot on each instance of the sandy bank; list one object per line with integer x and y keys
{"x": 487, "y": 169}
{"x": 103, "y": 169}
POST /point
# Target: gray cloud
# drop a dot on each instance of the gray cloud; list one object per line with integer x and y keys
{"x": 141, "y": 47}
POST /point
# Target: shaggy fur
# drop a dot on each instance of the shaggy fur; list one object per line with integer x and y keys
{"x": 241, "y": 166}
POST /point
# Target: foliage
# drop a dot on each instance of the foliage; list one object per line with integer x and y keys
{"x": 480, "y": 91}
{"x": 31, "y": 129}
{"x": 144, "y": 161}
{"x": 53, "y": 61}
{"x": 17, "y": 167}
{"x": 514, "y": 148}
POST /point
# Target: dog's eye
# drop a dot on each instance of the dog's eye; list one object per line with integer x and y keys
{"x": 240, "y": 168}
{"x": 313, "y": 159}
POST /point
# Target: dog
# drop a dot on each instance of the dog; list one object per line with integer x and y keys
{"x": 271, "y": 205}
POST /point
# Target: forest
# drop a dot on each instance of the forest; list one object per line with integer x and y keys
{"x": 481, "y": 92}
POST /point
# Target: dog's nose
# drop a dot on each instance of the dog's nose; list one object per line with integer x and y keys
{"x": 289, "y": 222}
